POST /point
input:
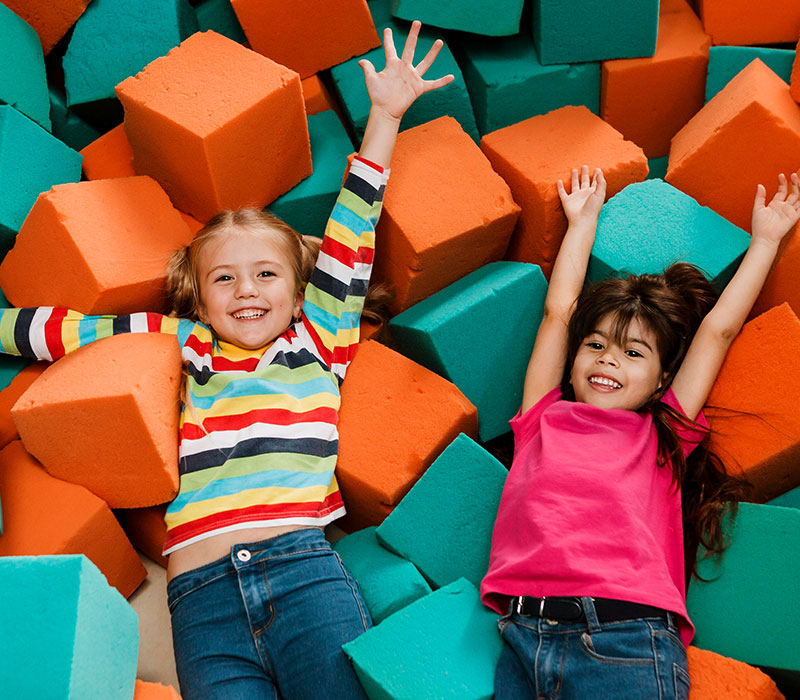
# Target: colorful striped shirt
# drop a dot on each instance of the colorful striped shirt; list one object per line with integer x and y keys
{"x": 258, "y": 433}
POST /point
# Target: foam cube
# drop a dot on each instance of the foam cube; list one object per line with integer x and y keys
{"x": 724, "y": 62}
{"x": 145, "y": 30}
{"x": 746, "y": 135}
{"x": 23, "y": 81}
{"x": 790, "y": 499}
{"x": 444, "y": 524}
{"x": 649, "y": 99}
{"x": 31, "y": 161}
{"x": 147, "y": 530}
{"x": 70, "y": 419}
{"x": 218, "y": 125}
{"x": 534, "y": 154}
{"x": 67, "y": 634}
{"x": 507, "y": 83}
{"x": 68, "y": 126}
{"x": 506, "y": 301}
{"x": 658, "y": 168}
{"x": 387, "y": 582}
{"x": 781, "y": 285}
{"x": 745, "y": 22}
{"x": 650, "y": 225}
{"x": 753, "y": 587}
{"x": 16, "y": 387}
{"x": 316, "y": 96}
{"x": 45, "y": 515}
{"x": 496, "y": 19}
{"x": 108, "y": 156}
{"x": 396, "y": 418}
{"x": 794, "y": 78}
{"x": 573, "y": 31}
{"x": 714, "y": 676}
{"x": 51, "y": 20}
{"x": 445, "y": 213}
{"x": 154, "y": 691}
{"x": 219, "y": 16}
{"x": 445, "y": 645}
{"x": 96, "y": 247}
{"x": 754, "y": 428}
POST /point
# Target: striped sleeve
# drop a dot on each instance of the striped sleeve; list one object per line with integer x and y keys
{"x": 48, "y": 333}
{"x": 335, "y": 294}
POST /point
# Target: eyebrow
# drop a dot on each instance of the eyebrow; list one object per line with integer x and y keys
{"x": 627, "y": 340}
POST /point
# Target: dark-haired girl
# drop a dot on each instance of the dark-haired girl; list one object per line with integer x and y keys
{"x": 588, "y": 554}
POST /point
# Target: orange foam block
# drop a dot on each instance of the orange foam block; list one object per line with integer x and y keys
{"x": 8, "y": 397}
{"x": 396, "y": 418}
{"x": 154, "y": 691}
{"x": 315, "y": 95}
{"x": 106, "y": 417}
{"x": 307, "y": 35}
{"x": 445, "y": 213}
{"x": 218, "y": 125}
{"x": 752, "y": 407}
{"x": 714, "y": 677}
{"x": 98, "y": 247}
{"x": 51, "y": 19}
{"x": 781, "y": 285}
{"x": 747, "y": 134}
{"x": 45, "y": 515}
{"x": 744, "y": 22}
{"x": 649, "y": 99}
{"x": 794, "y": 88}
{"x": 534, "y": 154}
{"x": 147, "y": 530}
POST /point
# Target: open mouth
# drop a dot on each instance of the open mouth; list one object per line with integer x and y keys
{"x": 248, "y": 314}
{"x": 604, "y": 383}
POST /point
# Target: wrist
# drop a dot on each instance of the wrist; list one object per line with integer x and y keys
{"x": 379, "y": 114}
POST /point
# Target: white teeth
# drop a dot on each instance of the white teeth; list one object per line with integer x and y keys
{"x": 605, "y": 382}
{"x": 250, "y": 313}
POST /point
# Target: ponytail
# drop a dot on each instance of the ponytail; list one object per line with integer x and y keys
{"x": 183, "y": 296}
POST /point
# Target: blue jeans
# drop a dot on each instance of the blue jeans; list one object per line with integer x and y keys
{"x": 268, "y": 621}
{"x": 641, "y": 659}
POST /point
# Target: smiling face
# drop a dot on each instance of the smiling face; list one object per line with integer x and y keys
{"x": 613, "y": 373}
{"x": 248, "y": 289}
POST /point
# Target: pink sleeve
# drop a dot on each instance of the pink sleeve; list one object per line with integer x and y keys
{"x": 690, "y": 437}
{"x": 525, "y": 425}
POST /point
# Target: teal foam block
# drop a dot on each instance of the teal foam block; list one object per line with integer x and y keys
{"x": 751, "y": 609}
{"x": 23, "y": 81}
{"x": 573, "y": 31}
{"x": 790, "y": 499}
{"x": 503, "y": 302}
{"x": 507, "y": 83}
{"x": 650, "y": 225}
{"x": 451, "y": 100}
{"x": 65, "y": 632}
{"x": 444, "y": 523}
{"x": 31, "y": 161}
{"x": 68, "y": 126}
{"x": 724, "y": 62}
{"x": 113, "y": 40}
{"x": 388, "y": 582}
{"x": 218, "y": 15}
{"x": 307, "y": 206}
{"x": 658, "y": 168}
{"x": 498, "y": 18}
{"x": 445, "y": 645}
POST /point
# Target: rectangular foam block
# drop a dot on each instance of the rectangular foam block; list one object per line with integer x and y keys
{"x": 68, "y": 126}
{"x": 714, "y": 676}
{"x": 316, "y": 97}
{"x": 387, "y": 581}
{"x": 745, "y": 22}
{"x": 657, "y": 167}
{"x": 66, "y": 633}
{"x": 109, "y": 156}
{"x": 18, "y": 382}
{"x": 51, "y": 20}
{"x": 724, "y": 62}
{"x": 445, "y": 645}
{"x": 444, "y": 524}
{"x": 506, "y": 301}
{"x": 499, "y": 18}
{"x": 790, "y": 499}
{"x": 146, "y": 530}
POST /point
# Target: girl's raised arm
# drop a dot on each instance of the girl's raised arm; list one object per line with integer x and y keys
{"x": 582, "y": 207}
{"x": 722, "y": 324}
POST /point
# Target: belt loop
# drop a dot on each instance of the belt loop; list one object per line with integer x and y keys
{"x": 591, "y": 614}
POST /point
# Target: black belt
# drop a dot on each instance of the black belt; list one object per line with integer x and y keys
{"x": 564, "y": 609}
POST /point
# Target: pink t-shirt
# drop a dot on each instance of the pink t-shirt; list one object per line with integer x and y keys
{"x": 586, "y": 512}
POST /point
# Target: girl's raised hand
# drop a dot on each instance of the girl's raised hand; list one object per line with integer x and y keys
{"x": 586, "y": 196}
{"x": 774, "y": 220}
{"x": 395, "y": 88}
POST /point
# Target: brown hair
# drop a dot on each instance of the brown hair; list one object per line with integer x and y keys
{"x": 672, "y": 305}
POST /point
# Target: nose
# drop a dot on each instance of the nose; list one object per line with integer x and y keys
{"x": 607, "y": 358}
{"x": 245, "y": 288}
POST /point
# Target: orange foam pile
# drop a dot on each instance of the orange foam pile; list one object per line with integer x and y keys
{"x": 747, "y": 134}
{"x": 649, "y": 99}
{"x": 533, "y": 154}
{"x": 752, "y": 406}
{"x": 744, "y": 22}
{"x": 307, "y": 35}
{"x": 51, "y": 19}
{"x": 97, "y": 247}
{"x": 218, "y": 125}
{"x": 715, "y": 677}
{"x": 315, "y": 95}
{"x": 154, "y": 691}
{"x": 8, "y": 397}
{"x": 395, "y": 420}
{"x": 445, "y": 214}
{"x": 45, "y": 515}
{"x": 147, "y": 530}
{"x": 106, "y": 417}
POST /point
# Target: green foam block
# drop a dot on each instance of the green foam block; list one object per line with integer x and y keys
{"x": 503, "y": 302}
{"x": 572, "y": 31}
{"x": 388, "y": 582}
{"x": 790, "y": 499}
{"x": 650, "y": 225}
{"x": 507, "y": 83}
{"x": 497, "y": 18}
{"x": 68, "y": 126}
{"x": 307, "y": 206}
{"x": 724, "y": 62}
{"x": 65, "y": 632}
{"x": 219, "y": 16}
{"x": 750, "y": 610}
{"x": 23, "y": 81}
{"x": 444, "y": 523}
{"x": 657, "y": 168}
{"x": 445, "y": 645}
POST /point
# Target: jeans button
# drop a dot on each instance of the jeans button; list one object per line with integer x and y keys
{"x": 243, "y": 555}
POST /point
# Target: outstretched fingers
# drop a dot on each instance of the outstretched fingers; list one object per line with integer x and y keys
{"x": 430, "y": 57}
{"x": 794, "y": 195}
{"x": 389, "y": 49}
{"x": 783, "y": 189}
{"x": 411, "y": 41}
{"x": 761, "y": 197}
{"x": 599, "y": 183}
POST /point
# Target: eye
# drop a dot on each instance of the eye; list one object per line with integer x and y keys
{"x": 633, "y": 353}
{"x": 594, "y": 345}
{"x": 223, "y": 278}
{"x": 266, "y": 273}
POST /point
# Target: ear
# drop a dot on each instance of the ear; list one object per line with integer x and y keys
{"x": 298, "y": 304}
{"x": 202, "y": 315}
